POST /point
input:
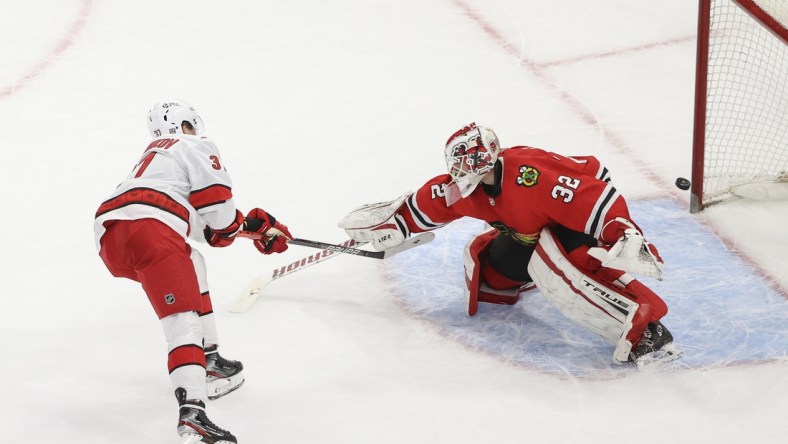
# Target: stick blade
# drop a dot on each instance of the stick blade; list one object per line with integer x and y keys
{"x": 250, "y": 295}
{"x": 415, "y": 241}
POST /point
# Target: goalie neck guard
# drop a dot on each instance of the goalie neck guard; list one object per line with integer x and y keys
{"x": 470, "y": 153}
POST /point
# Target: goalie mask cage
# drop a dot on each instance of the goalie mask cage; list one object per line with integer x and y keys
{"x": 741, "y": 98}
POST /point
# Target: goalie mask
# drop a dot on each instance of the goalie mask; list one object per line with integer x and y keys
{"x": 166, "y": 117}
{"x": 470, "y": 153}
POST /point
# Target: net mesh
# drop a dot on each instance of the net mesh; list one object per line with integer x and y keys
{"x": 747, "y": 100}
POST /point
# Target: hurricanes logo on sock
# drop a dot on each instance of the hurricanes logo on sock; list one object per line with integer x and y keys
{"x": 169, "y": 298}
{"x": 529, "y": 176}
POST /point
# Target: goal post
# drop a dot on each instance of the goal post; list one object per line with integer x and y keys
{"x": 740, "y": 135}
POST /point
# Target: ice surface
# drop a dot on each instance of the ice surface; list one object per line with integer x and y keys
{"x": 735, "y": 320}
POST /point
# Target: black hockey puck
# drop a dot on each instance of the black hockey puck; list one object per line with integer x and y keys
{"x": 682, "y": 183}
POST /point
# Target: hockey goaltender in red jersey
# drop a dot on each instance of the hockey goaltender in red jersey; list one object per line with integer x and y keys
{"x": 557, "y": 223}
{"x": 180, "y": 189}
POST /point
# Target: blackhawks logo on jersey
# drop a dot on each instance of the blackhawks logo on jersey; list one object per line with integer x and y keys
{"x": 525, "y": 239}
{"x": 529, "y": 176}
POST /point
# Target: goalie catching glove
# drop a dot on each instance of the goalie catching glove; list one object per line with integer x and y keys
{"x": 379, "y": 224}
{"x": 631, "y": 253}
{"x": 274, "y": 234}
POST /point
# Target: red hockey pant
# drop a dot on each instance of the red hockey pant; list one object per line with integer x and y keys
{"x": 151, "y": 253}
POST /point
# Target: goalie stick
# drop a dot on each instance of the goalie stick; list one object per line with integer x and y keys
{"x": 255, "y": 287}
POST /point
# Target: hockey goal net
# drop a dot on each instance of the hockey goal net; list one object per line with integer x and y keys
{"x": 740, "y": 138}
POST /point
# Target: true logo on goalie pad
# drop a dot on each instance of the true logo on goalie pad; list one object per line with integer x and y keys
{"x": 620, "y": 305}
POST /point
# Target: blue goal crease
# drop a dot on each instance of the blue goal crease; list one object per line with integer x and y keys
{"x": 721, "y": 310}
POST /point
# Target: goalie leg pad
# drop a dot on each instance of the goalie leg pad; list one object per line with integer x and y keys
{"x": 652, "y": 307}
{"x": 483, "y": 283}
{"x": 600, "y": 308}
{"x": 473, "y": 267}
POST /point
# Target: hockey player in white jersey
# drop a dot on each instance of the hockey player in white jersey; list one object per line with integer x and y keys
{"x": 180, "y": 189}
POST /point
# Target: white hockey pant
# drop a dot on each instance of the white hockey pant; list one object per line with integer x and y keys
{"x": 585, "y": 301}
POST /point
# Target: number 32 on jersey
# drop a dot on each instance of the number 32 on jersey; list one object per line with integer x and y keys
{"x": 565, "y": 189}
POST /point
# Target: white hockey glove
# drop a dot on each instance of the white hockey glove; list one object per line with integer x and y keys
{"x": 631, "y": 253}
{"x": 378, "y": 223}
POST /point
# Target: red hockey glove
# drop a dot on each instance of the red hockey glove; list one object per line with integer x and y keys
{"x": 274, "y": 233}
{"x": 225, "y": 236}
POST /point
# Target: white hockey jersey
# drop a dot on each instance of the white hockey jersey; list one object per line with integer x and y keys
{"x": 180, "y": 181}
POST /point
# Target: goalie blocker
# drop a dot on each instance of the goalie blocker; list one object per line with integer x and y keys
{"x": 607, "y": 302}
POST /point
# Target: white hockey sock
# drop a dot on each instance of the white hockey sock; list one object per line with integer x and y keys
{"x": 185, "y": 329}
{"x": 210, "y": 333}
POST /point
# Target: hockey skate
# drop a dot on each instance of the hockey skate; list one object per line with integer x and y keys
{"x": 194, "y": 425}
{"x": 222, "y": 375}
{"x": 655, "y": 347}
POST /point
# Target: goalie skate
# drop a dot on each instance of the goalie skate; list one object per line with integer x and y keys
{"x": 655, "y": 347}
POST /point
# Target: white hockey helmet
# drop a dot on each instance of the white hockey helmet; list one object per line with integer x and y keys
{"x": 470, "y": 153}
{"x": 166, "y": 117}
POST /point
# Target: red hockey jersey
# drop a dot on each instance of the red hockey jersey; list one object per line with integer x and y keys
{"x": 537, "y": 189}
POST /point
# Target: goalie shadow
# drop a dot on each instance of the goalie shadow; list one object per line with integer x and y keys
{"x": 721, "y": 311}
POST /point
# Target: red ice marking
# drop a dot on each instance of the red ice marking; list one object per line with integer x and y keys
{"x": 538, "y": 70}
{"x": 62, "y": 45}
{"x": 631, "y": 49}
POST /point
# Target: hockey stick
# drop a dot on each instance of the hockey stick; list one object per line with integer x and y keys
{"x": 255, "y": 287}
{"x": 422, "y": 238}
